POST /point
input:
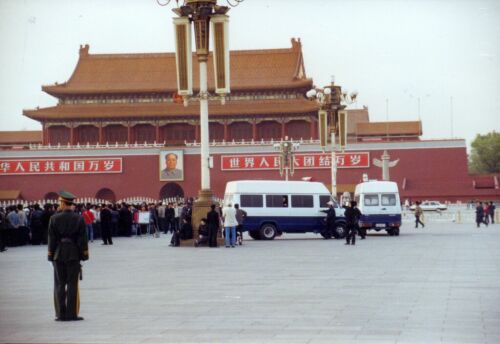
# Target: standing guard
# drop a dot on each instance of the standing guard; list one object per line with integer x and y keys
{"x": 352, "y": 216}
{"x": 67, "y": 246}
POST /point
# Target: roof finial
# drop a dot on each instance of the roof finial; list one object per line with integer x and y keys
{"x": 84, "y": 50}
{"x": 296, "y": 43}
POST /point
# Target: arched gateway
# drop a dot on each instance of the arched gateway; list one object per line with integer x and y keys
{"x": 171, "y": 190}
{"x": 106, "y": 194}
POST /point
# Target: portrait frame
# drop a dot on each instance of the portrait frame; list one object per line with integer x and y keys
{"x": 178, "y": 173}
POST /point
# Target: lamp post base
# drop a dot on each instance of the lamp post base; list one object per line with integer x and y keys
{"x": 200, "y": 209}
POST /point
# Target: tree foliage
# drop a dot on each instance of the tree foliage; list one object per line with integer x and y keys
{"x": 485, "y": 154}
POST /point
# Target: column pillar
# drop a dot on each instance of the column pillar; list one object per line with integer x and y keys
{"x": 101, "y": 134}
{"x": 71, "y": 134}
{"x": 312, "y": 128}
{"x": 254, "y": 130}
{"x": 283, "y": 130}
{"x": 129, "y": 133}
{"x": 197, "y": 132}
{"x": 157, "y": 139}
{"x": 226, "y": 132}
{"x": 45, "y": 135}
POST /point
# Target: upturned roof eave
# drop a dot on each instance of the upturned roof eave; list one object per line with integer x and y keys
{"x": 64, "y": 90}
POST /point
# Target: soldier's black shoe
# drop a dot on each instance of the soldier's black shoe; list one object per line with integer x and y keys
{"x": 59, "y": 319}
{"x": 75, "y": 319}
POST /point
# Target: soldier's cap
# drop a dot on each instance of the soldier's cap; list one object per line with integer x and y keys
{"x": 66, "y": 197}
{"x": 329, "y": 203}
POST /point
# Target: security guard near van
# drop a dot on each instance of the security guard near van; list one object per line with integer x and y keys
{"x": 67, "y": 245}
{"x": 352, "y": 216}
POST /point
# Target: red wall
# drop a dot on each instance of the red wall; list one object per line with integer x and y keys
{"x": 438, "y": 173}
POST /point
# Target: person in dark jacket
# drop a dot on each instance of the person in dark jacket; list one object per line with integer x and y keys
{"x": 170, "y": 218}
{"x": 125, "y": 220}
{"x": 240, "y": 217}
{"x": 106, "y": 225}
{"x": 352, "y": 216}
{"x": 67, "y": 246}
{"x": 480, "y": 214}
{"x": 213, "y": 224}
{"x": 48, "y": 211}
{"x": 36, "y": 225}
{"x": 330, "y": 221}
{"x": 3, "y": 231}
{"x": 202, "y": 233}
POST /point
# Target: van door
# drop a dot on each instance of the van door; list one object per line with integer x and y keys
{"x": 390, "y": 207}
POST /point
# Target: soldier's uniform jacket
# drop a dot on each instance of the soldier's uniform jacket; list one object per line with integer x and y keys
{"x": 67, "y": 237}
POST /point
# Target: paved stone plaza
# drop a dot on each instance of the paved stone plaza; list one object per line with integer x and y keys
{"x": 440, "y": 284}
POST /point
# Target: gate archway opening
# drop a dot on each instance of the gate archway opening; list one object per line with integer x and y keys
{"x": 51, "y": 196}
{"x": 106, "y": 194}
{"x": 171, "y": 190}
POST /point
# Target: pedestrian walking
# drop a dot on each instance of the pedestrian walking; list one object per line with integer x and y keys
{"x": 480, "y": 214}
{"x": 486, "y": 212}
{"x": 419, "y": 213}
{"x": 67, "y": 246}
{"x": 352, "y": 216}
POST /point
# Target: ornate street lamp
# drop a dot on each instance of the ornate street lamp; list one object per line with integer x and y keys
{"x": 332, "y": 102}
{"x": 287, "y": 150}
{"x": 206, "y": 16}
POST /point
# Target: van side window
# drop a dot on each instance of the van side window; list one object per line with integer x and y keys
{"x": 323, "y": 200}
{"x": 251, "y": 201}
{"x": 276, "y": 201}
{"x": 371, "y": 200}
{"x": 302, "y": 201}
{"x": 388, "y": 199}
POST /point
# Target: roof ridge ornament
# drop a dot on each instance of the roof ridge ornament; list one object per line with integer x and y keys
{"x": 84, "y": 50}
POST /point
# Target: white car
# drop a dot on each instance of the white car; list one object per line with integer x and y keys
{"x": 431, "y": 206}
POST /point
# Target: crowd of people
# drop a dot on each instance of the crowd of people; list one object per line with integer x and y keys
{"x": 23, "y": 225}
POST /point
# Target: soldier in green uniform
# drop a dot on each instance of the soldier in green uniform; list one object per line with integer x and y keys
{"x": 67, "y": 245}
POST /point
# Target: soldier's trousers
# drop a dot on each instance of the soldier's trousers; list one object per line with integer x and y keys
{"x": 66, "y": 295}
{"x": 351, "y": 234}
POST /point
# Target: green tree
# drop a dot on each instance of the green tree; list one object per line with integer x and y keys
{"x": 485, "y": 154}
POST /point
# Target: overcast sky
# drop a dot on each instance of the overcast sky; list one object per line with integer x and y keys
{"x": 393, "y": 52}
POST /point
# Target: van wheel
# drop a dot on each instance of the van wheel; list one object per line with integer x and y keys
{"x": 390, "y": 231}
{"x": 339, "y": 231}
{"x": 396, "y": 231}
{"x": 268, "y": 231}
{"x": 254, "y": 235}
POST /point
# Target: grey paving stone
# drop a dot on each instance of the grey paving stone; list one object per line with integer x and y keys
{"x": 438, "y": 285}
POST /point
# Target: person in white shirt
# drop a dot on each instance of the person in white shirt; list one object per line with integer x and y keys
{"x": 230, "y": 223}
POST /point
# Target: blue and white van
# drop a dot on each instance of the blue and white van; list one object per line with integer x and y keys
{"x": 380, "y": 206}
{"x": 275, "y": 207}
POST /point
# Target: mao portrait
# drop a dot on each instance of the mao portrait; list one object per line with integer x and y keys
{"x": 171, "y": 165}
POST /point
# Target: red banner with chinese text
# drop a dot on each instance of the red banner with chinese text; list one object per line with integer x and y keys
{"x": 301, "y": 161}
{"x": 60, "y": 166}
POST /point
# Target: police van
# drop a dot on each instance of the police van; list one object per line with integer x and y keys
{"x": 275, "y": 207}
{"x": 380, "y": 206}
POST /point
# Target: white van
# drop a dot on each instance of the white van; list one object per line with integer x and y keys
{"x": 380, "y": 206}
{"x": 274, "y": 207}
